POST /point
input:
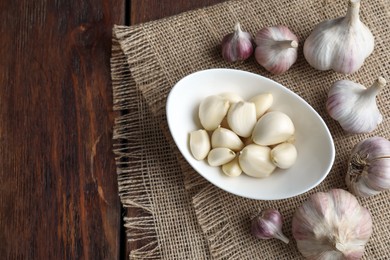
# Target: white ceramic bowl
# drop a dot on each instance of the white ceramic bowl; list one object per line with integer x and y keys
{"x": 313, "y": 140}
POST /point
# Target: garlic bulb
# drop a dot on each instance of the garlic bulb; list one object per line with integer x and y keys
{"x": 232, "y": 168}
{"x": 332, "y": 226}
{"x": 199, "y": 144}
{"x": 212, "y": 110}
{"x": 284, "y": 155}
{"x": 237, "y": 46}
{"x": 255, "y": 161}
{"x": 340, "y": 44}
{"x": 262, "y": 103}
{"x": 223, "y": 137}
{"x": 219, "y": 156}
{"x": 276, "y": 48}
{"x": 369, "y": 167}
{"x": 241, "y": 118}
{"x": 272, "y": 128}
{"x": 354, "y": 106}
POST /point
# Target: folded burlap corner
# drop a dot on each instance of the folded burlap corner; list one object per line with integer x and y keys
{"x": 183, "y": 216}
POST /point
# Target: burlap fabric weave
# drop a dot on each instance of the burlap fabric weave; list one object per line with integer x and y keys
{"x": 180, "y": 215}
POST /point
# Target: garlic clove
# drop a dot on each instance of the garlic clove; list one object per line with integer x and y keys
{"x": 223, "y": 137}
{"x": 237, "y": 46}
{"x": 231, "y": 97}
{"x": 369, "y": 167}
{"x": 199, "y": 144}
{"x": 277, "y": 48}
{"x": 340, "y": 44}
{"x": 284, "y": 155}
{"x": 232, "y": 168}
{"x": 255, "y": 161}
{"x": 354, "y": 106}
{"x": 272, "y": 128}
{"x": 268, "y": 224}
{"x": 241, "y": 118}
{"x": 262, "y": 102}
{"x": 212, "y": 110}
{"x": 219, "y": 156}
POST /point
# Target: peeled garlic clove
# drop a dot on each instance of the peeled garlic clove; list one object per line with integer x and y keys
{"x": 354, "y": 106}
{"x": 237, "y": 46}
{"x": 199, "y": 144}
{"x": 369, "y": 167}
{"x": 241, "y": 118}
{"x": 220, "y": 156}
{"x": 223, "y": 137}
{"x": 273, "y": 128}
{"x": 255, "y": 161}
{"x": 231, "y": 97}
{"x": 284, "y": 155}
{"x": 332, "y": 225}
{"x": 212, "y": 110}
{"x": 232, "y": 168}
{"x": 340, "y": 44}
{"x": 262, "y": 102}
{"x": 277, "y": 48}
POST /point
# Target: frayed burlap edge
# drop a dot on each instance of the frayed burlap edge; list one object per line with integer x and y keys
{"x": 134, "y": 191}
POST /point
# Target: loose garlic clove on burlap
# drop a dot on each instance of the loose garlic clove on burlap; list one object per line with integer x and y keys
{"x": 332, "y": 226}
{"x": 212, "y": 110}
{"x": 232, "y": 168}
{"x": 223, "y": 137}
{"x": 237, "y": 46}
{"x": 340, "y": 44}
{"x": 354, "y": 106}
{"x": 272, "y": 128}
{"x": 276, "y": 48}
{"x": 219, "y": 156}
{"x": 255, "y": 161}
{"x": 199, "y": 144}
{"x": 262, "y": 103}
{"x": 284, "y": 155}
{"x": 241, "y": 118}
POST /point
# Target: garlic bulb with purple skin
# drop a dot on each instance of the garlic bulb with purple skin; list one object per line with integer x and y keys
{"x": 332, "y": 225}
{"x": 268, "y": 224}
{"x": 354, "y": 106}
{"x": 340, "y": 44}
{"x": 276, "y": 48}
{"x": 369, "y": 167}
{"x": 237, "y": 46}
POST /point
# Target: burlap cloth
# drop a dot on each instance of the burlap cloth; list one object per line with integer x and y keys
{"x": 178, "y": 214}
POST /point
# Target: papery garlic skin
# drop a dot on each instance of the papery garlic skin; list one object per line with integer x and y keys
{"x": 232, "y": 168}
{"x": 340, "y": 44}
{"x": 212, "y": 111}
{"x": 369, "y": 167}
{"x": 255, "y": 161}
{"x": 219, "y": 156}
{"x": 200, "y": 144}
{"x": 354, "y": 106}
{"x": 241, "y": 118}
{"x": 237, "y": 46}
{"x": 272, "y": 128}
{"x": 332, "y": 225}
{"x": 223, "y": 137}
{"x": 276, "y": 48}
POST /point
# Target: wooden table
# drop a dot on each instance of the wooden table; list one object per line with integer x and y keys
{"x": 58, "y": 189}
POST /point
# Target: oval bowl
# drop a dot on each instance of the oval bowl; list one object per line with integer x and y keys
{"x": 314, "y": 142}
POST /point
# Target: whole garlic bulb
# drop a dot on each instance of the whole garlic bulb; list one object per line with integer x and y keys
{"x": 354, "y": 106}
{"x": 340, "y": 44}
{"x": 237, "y": 46}
{"x": 276, "y": 48}
{"x": 369, "y": 167}
{"x": 332, "y": 226}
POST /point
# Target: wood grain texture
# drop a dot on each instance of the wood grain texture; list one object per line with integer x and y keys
{"x": 148, "y": 10}
{"x": 58, "y": 187}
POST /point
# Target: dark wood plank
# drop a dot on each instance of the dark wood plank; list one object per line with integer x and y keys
{"x": 58, "y": 188}
{"x": 147, "y": 10}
